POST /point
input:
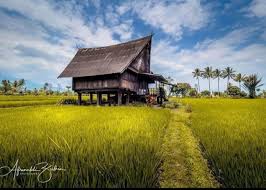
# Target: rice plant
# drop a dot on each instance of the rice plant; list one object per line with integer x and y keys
{"x": 97, "y": 146}
{"x": 233, "y": 136}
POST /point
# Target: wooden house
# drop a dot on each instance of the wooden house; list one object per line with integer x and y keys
{"x": 120, "y": 71}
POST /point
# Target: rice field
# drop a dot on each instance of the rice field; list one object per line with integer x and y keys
{"x": 233, "y": 134}
{"x": 133, "y": 146}
{"x": 97, "y": 146}
{"x": 18, "y": 101}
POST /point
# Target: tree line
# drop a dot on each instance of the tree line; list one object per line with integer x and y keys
{"x": 16, "y": 87}
{"x": 12, "y": 87}
{"x": 250, "y": 82}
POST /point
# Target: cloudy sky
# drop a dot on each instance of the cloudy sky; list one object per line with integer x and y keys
{"x": 38, "y": 38}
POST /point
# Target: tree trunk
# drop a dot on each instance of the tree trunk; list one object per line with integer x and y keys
{"x": 198, "y": 86}
{"x": 227, "y": 84}
{"x": 218, "y": 86}
{"x": 210, "y": 85}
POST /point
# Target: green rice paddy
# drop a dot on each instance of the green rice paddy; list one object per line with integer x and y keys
{"x": 134, "y": 146}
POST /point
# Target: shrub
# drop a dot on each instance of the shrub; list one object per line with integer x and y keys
{"x": 181, "y": 89}
{"x": 171, "y": 105}
{"x": 243, "y": 94}
{"x": 216, "y": 93}
{"x": 68, "y": 101}
{"x": 193, "y": 92}
{"x": 234, "y": 91}
{"x": 205, "y": 93}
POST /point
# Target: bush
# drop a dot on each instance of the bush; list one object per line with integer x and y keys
{"x": 216, "y": 93}
{"x": 205, "y": 93}
{"x": 68, "y": 101}
{"x": 243, "y": 94}
{"x": 234, "y": 91}
{"x": 193, "y": 92}
{"x": 171, "y": 105}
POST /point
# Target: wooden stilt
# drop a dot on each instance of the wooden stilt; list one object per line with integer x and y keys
{"x": 128, "y": 98}
{"x": 119, "y": 98}
{"x": 91, "y": 98}
{"x": 99, "y": 98}
{"x": 79, "y": 98}
{"x": 108, "y": 99}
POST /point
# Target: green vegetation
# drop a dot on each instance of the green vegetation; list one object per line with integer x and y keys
{"x": 135, "y": 146}
{"x": 232, "y": 133}
{"x": 208, "y": 74}
{"x": 183, "y": 164}
{"x": 7, "y": 104}
{"x": 30, "y": 100}
{"x": 12, "y": 88}
{"x": 18, "y": 87}
{"x": 250, "y": 82}
{"x": 18, "y": 101}
{"x": 98, "y": 146}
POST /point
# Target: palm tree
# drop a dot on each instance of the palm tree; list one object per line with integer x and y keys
{"x": 21, "y": 83}
{"x": 45, "y": 87}
{"x": 15, "y": 86}
{"x": 239, "y": 78}
{"x": 217, "y": 73}
{"x": 5, "y": 86}
{"x": 196, "y": 74}
{"x": 228, "y": 73}
{"x": 207, "y": 73}
{"x": 252, "y": 83}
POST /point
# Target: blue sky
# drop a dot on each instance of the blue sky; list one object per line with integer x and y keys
{"x": 38, "y": 38}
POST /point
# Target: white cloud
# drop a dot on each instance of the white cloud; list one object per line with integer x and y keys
{"x": 39, "y": 45}
{"x": 172, "y": 16}
{"x": 258, "y": 8}
{"x": 96, "y": 3}
{"x": 52, "y": 31}
{"x": 124, "y": 30}
{"x": 123, "y": 27}
{"x": 218, "y": 53}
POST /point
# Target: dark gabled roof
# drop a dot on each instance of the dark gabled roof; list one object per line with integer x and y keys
{"x": 104, "y": 60}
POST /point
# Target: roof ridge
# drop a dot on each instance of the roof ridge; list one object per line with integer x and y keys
{"x": 119, "y": 44}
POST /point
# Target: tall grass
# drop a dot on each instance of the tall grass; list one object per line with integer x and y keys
{"x": 7, "y": 101}
{"x": 27, "y": 100}
{"x": 98, "y": 146}
{"x": 233, "y": 133}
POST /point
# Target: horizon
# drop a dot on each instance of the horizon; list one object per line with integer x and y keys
{"x": 38, "y": 44}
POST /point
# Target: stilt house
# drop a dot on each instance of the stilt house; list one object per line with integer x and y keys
{"x": 121, "y": 72}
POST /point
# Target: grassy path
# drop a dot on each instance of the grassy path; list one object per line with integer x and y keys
{"x": 183, "y": 164}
